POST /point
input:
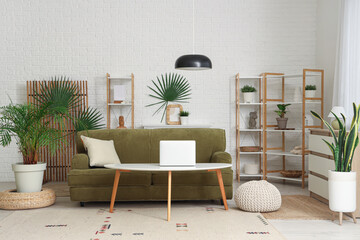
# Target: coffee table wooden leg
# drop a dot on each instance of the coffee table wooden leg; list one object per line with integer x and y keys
{"x": 169, "y": 197}
{"x": 115, "y": 187}
{"x": 222, "y": 189}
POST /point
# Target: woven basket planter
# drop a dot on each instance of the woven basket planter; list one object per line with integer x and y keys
{"x": 12, "y": 200}
{"x": 258, "y": 196}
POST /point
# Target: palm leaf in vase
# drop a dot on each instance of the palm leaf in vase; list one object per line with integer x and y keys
{"x": 170, "y": 88}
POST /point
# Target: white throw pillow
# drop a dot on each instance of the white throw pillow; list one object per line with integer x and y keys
{"x": 100, "y": 152}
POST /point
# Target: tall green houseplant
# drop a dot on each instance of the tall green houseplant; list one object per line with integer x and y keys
{"x": 34, "y": 126}
{"x": 345, "y": 142}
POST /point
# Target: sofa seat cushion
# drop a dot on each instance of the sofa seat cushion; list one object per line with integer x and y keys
{"x": 193, "y": 178}
{"x": 97, "y": 177}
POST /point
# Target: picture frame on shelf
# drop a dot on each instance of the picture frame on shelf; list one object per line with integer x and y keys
{"x": 173, "y": 114}
{"x": 119, "y": 93}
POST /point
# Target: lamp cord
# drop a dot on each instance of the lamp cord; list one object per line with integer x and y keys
{"x": 193, "y": 26}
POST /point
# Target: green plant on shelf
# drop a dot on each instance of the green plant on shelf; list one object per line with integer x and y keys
{"x": 310, "y": 87}
{"x": 184, "y": 113}
{"x": 282, "y": 110}
{"x": 248, "y": 88}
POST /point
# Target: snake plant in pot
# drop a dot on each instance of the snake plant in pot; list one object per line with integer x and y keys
{"x": 342, "y": 181}
{"x": 43, "y": 125}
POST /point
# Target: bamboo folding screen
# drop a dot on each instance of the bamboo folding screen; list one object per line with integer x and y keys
{"x": 59, "y": 164}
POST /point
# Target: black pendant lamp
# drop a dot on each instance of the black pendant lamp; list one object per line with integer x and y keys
{"x": 193, "y": 61}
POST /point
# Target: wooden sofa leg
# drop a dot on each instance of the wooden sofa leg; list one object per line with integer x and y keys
{"x": 82, "y": 204}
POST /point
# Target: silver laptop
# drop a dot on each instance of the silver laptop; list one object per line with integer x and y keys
{"x": 178, "y": 153}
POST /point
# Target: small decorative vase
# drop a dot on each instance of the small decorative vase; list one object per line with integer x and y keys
{"x": 184, "y": 120}
{"x": 310, "y": 93}
{"x": 342, "y": 191}
{"x": 29, "y": 177}
{"x": 249, "y": 97}
{"x": 282, "y": 122}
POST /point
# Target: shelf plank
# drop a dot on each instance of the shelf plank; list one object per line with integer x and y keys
{"x": 250, "y": 175}
{"x": 250, "y": 153}
{"x": 250, "y": 104}
{"x": 250, "y": 77}
{"x": 294, "y": 103}
{"x": 119, "y": 104}
{"x": 279, "y": 176}
{"x": 298, "y": 75}
{"x": 121, "y": 78}
{"x": 283, "y": 154}
{"x": 250, "y": 130}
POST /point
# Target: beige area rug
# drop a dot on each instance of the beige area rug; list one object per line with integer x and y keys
{"x": 61, "y": 188}
{"x": 136, "y": 221}
{"x": 303, "y": 208}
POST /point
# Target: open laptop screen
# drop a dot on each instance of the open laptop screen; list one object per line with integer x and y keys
{"x": 177, "y": 153}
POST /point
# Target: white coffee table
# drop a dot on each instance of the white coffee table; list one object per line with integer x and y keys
{"x": 155, "y": 167}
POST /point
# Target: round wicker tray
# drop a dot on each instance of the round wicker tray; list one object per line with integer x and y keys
{"x": 250, "y": 149}
{"x": 12, "y": 200}
{"x": 291, "y": 173}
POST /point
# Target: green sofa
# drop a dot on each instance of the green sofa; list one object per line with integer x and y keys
{"x": 88, "y": 184}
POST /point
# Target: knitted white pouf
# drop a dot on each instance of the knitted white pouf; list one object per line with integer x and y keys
{"x": 258, "y": 196}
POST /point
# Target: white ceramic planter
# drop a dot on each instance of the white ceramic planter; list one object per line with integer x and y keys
{"x": 184, "y": 120}
{"x": 310, "y": 93}
{"x": 249, "y": 97}
{"x": 29, "y": 177}
{"x": 342, "y": 191}
{"x": 250, "y": 168}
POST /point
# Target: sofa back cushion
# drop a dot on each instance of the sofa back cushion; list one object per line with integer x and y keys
{"x": 142, "y": 145}
{"x": 131, "y": 145}
{"x": 208, "y": 141}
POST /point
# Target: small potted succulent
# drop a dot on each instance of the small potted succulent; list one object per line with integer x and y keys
{"x": 310, "y": 91}
{"x": 342, "y": 181}
{"x": 184, "y": 117}
{"x": 249, "y": 93}
{"x": 282, "y": 120}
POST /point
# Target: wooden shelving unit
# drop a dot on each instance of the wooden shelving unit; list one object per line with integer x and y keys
{"x": 110, "y": 104}
{"x": 265, "y": 128}
{"x": 242, "y": 130}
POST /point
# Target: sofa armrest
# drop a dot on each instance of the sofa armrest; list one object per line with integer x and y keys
{"x": 80, "y": 161}
{"x": 220, "y": 157}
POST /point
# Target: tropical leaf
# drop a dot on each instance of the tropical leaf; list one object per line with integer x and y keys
{"x": 42, "y": 124}
{"x": 327, "y": 125}
{"x": 89, "y": 119}
{"x": 351, "y": 140}
{"x": 170, "y": 88}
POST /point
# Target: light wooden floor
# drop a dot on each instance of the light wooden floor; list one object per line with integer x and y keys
{"x": 291, "y": 229}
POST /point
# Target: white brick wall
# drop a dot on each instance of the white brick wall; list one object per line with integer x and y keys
{"x": 85, "y": 39}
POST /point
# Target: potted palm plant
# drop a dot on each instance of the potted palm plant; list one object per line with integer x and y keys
{"x": 249, "y": 93}
{"x": 184, "y": 117}
{"x": 35, "y": 126}
{"x": 282, "y": 120}
{"x": 342, "y": 181}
